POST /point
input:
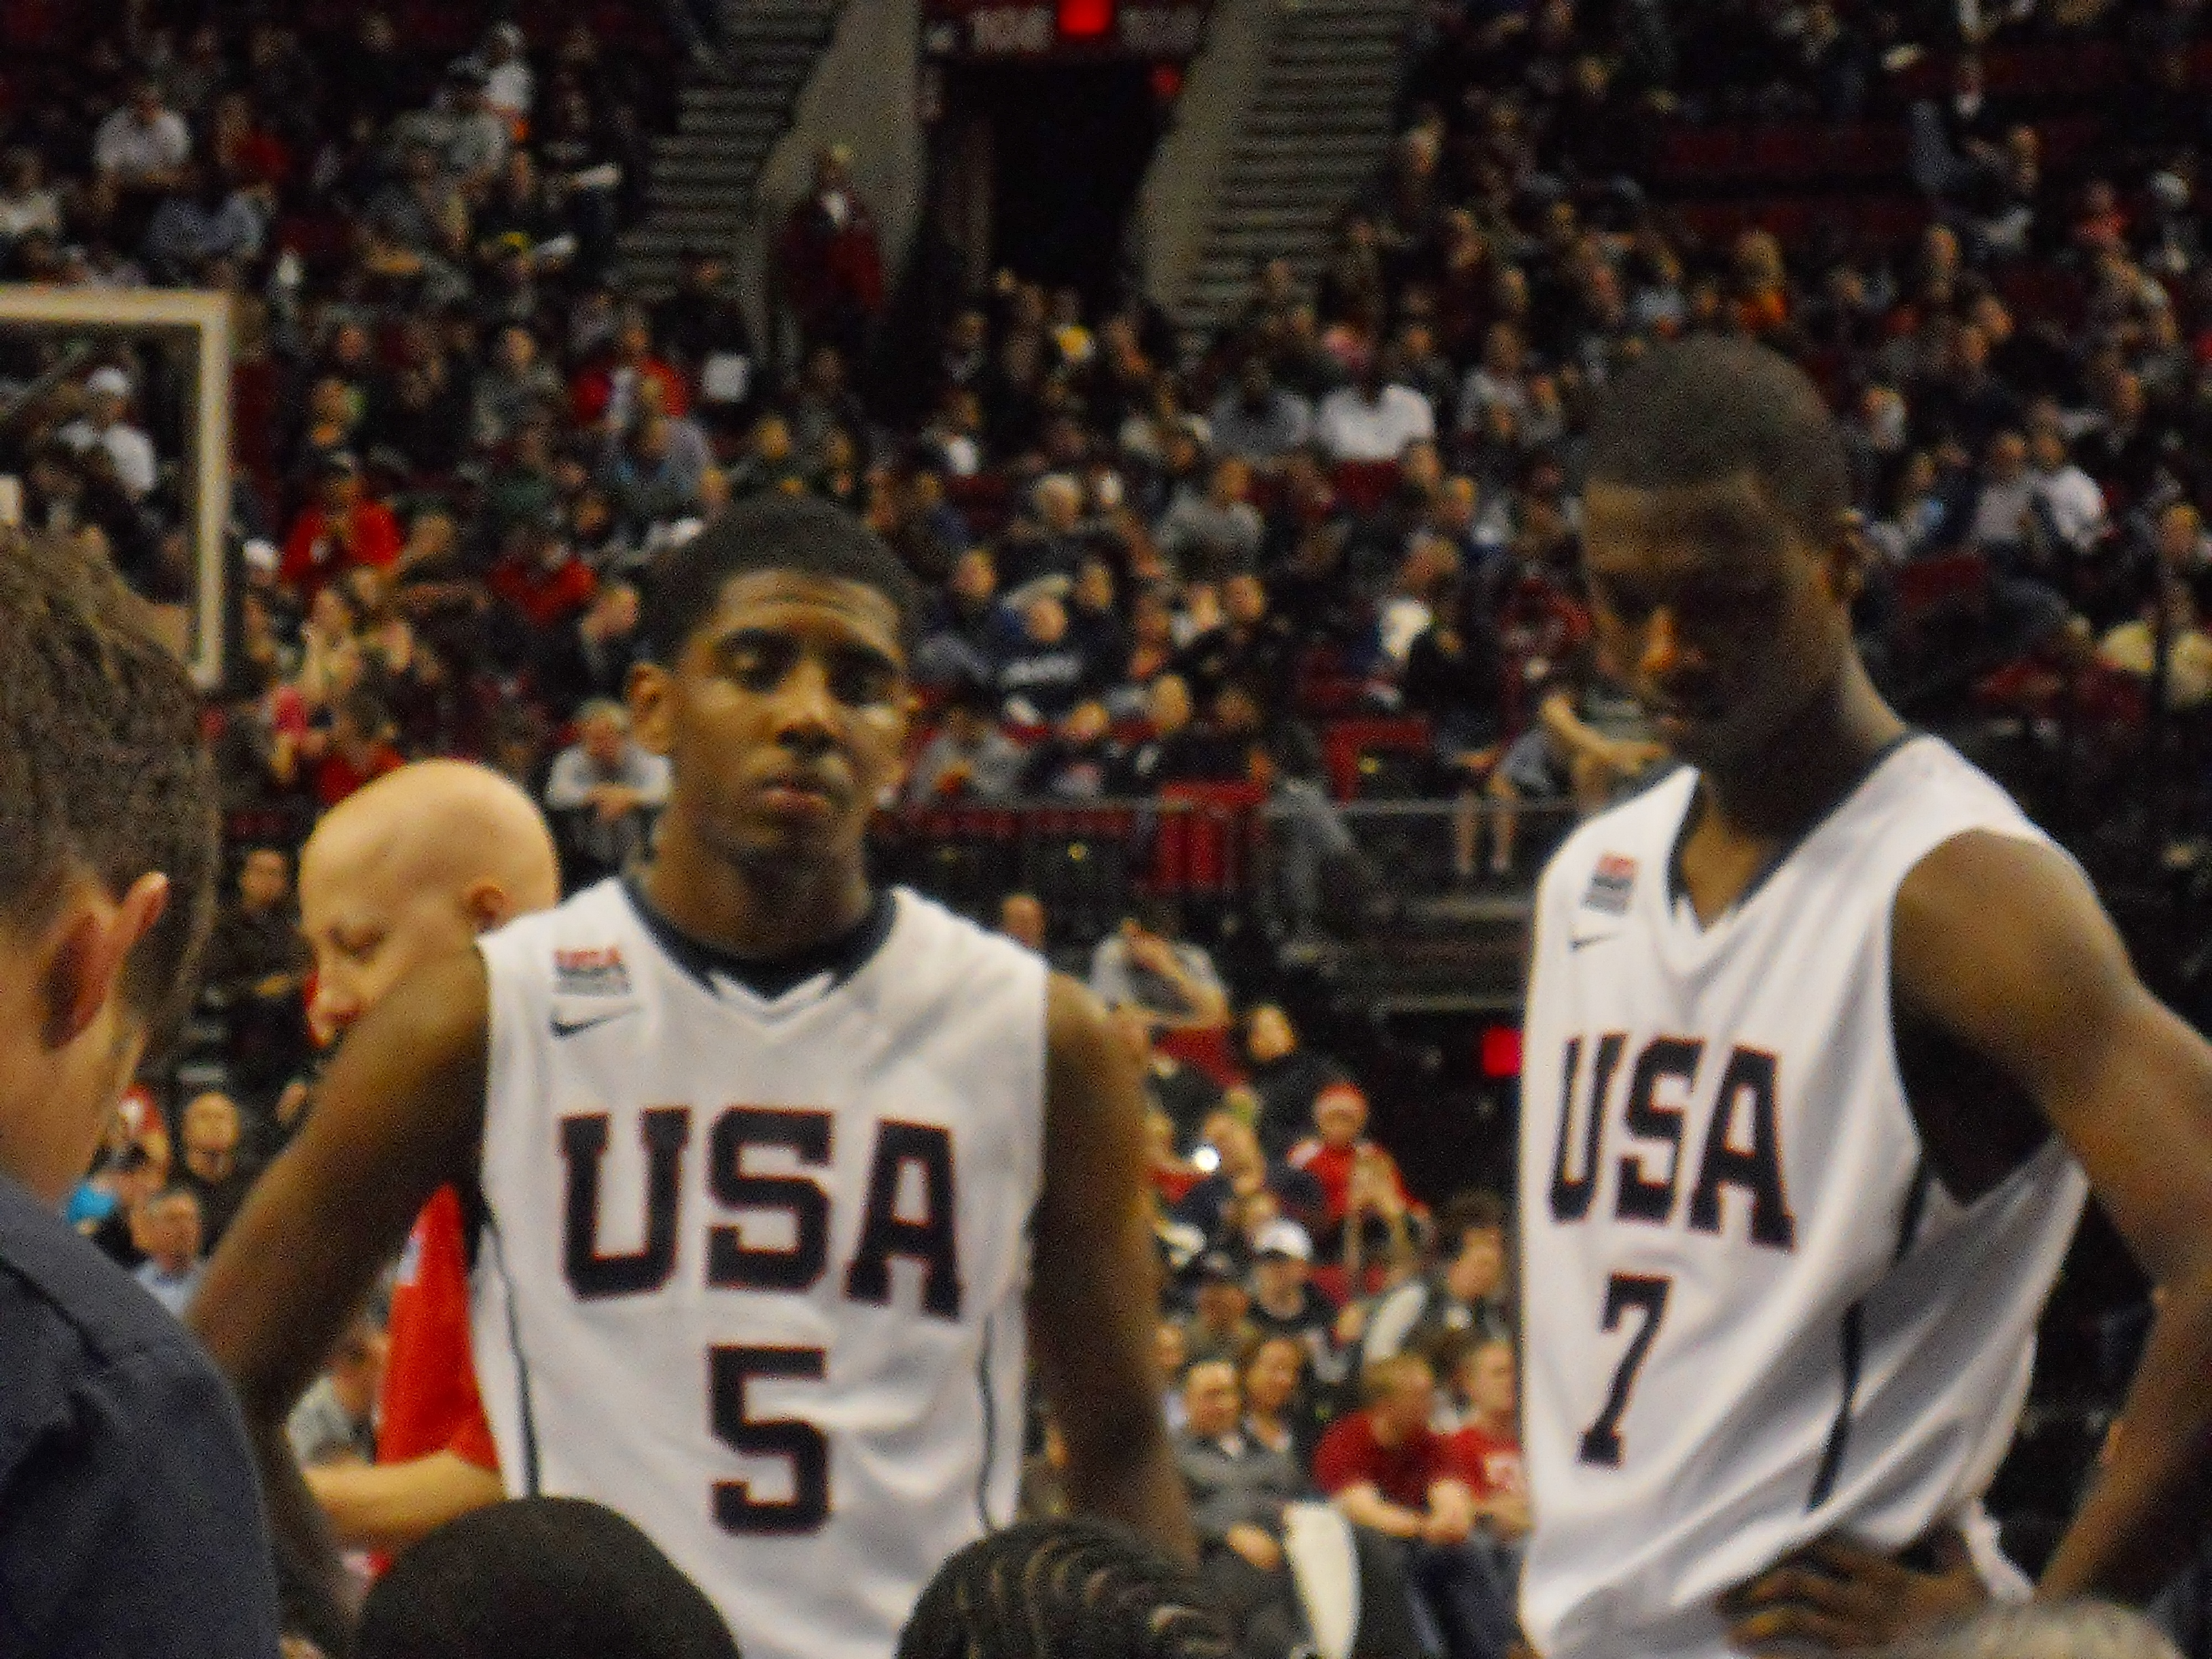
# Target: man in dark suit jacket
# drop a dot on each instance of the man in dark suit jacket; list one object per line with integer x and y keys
{"x": 589, "y": 657}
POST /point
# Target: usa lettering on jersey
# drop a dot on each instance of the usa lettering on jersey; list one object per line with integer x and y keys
{"x": 910, "y": 1210}
{"x": 1667, "y": 1128}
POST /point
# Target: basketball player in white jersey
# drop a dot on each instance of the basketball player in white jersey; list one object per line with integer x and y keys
{"x": 1822, "y": 1036}
{"x": 781, "y": 1172}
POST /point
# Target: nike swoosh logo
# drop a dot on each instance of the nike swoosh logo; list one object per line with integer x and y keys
{"x": 569, "y": 1028}
{"x": 1574, "y": 945}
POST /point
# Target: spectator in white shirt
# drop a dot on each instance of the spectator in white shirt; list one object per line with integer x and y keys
{"x": 603, "y": 794}
{"x": 129, "y": 451}
{"x": 27, "y": 203}
{"x": 141, "y": 146}
{"x": 2072, "y": 506}
{"x": 1500, "y": 380}
{"x": 1371, "y": 419}
{"x": 2000, "y": 511}
{"x": 508, "y": 84}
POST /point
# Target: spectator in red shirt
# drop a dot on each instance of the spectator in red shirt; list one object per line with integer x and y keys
{"x": 541, "y": 575}
{"x": 1392, "y": 1475}
{"x": 341, "y": 529}
{"x": 831, "y": 261}
{"x": 1339, "y": 1145}
{"x": 359, "y": 750}
{"x": 607, "y": 393}
{"x": 1485, "y": 1452}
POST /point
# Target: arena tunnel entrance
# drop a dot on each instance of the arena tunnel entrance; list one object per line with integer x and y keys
{"x": 1046, "y": 159}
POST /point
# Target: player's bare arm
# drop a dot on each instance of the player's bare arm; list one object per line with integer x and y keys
{"x": 400, "y": 1113}
{"x": 390, "y": 1506}
{"x": 1094, "y": 1291}
{"x": 1999, "y": 944}
{"x": 2002, "y": 943}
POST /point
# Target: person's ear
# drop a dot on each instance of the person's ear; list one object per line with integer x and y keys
{"x": 91, "y": 945}
{"x": 486, "y": 905}
{"x": 652, "y": 693}
{"x": 1843, "y": 570}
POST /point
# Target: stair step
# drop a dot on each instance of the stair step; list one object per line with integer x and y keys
{"x": 698, "y": 155}
{"x": 684, "y": 198}
{"x": 1259, "y": 167}
{"x": 748, "y": 109}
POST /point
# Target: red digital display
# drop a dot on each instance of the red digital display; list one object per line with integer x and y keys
{"x": 1085, "y": 20}
{"x": 1501, "y": 1052}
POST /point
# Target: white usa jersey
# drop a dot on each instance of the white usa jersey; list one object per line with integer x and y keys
{"x": 1752, "y": 1316}
{"x": 753, "y": 1271}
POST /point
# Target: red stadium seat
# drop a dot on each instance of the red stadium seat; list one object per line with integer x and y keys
{"x": 1350, "y": 746}
{"x": 1205, "y": 838}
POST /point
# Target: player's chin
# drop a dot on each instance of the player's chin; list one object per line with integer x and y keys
{"x": 799, "y": 834}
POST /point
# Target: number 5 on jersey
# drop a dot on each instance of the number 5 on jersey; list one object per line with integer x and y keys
{"x": 1625, "y": 1293}
{"x": 798, "y": 1443}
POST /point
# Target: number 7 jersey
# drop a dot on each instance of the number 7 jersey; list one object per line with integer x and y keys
{"x": 1753, "y": 1317}
{"x": 756, "y": 1258}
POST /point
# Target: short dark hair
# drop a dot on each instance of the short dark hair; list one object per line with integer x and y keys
{"x": 1474, "y": 1211}
{"x": 1074, "y": 1589}
{"x": 102, "y": 765}
{"x": 556, "y": 1578}
{"x": 1702, "y": 410}
{"x": 777, "y": 532}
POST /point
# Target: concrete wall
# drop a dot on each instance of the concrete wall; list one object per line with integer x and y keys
{"x": 863, "y": 93}
{"x": 1177, "y": 196}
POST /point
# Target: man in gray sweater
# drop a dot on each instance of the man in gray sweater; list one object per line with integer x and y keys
{"x": 1239, "y": 1492}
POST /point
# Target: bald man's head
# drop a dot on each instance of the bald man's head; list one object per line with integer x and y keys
{"x": 413, "y": 868}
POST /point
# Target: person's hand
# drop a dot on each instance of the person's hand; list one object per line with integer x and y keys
{"x": 1508, "y": 1515}
{"x": 614, "y": 802}
{"x": 1447, "y": 1526}
{"x": 1351, "y": 1325}
{"x": 1254, "y": 1545}
{"x": 1628, "y": 756}
{"x": 1151, "y": 952}
{"x": 1840, "y": 1596}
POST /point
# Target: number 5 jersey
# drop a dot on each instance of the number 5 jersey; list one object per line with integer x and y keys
{"x": 1753, "y": 1315}
{"x": 754, "y": 1269}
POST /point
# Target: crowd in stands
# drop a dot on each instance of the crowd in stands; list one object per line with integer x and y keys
{"x": 1152, "y": 574}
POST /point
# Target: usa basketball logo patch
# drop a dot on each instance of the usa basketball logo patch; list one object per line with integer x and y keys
{"x": 596, "y": 972}
{"x": 1610, "y": 883}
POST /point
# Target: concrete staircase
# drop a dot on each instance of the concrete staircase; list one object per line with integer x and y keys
{"x": 704, "y": 173}
{"x": 1317, "y": 129}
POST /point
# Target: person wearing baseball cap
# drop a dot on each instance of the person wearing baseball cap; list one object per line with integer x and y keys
{"x": 129, "y": 452}
{"x": 1285, "y": 1301}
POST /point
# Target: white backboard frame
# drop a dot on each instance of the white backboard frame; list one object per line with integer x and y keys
{"x": 207, "y": 313}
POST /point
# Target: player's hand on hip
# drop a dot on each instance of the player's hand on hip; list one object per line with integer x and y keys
{"x": 1840, "y": 1596}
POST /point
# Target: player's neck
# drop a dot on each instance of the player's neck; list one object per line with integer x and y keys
{"x": 1810, "y": 765}
{"x": 747, "y": 910}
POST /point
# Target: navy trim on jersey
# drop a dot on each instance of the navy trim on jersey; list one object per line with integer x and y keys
{"x": 768, "y": 978}
{"x": 1677, "y": 890}
{"x": 530, "y": 1476}
{"x": 1916, "y": 1206}
{"x": 990, "y": 1425}
{"x": 1839, "y": 1431}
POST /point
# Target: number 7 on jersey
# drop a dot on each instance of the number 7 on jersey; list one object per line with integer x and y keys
{"x": 1624, "y": 1293}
